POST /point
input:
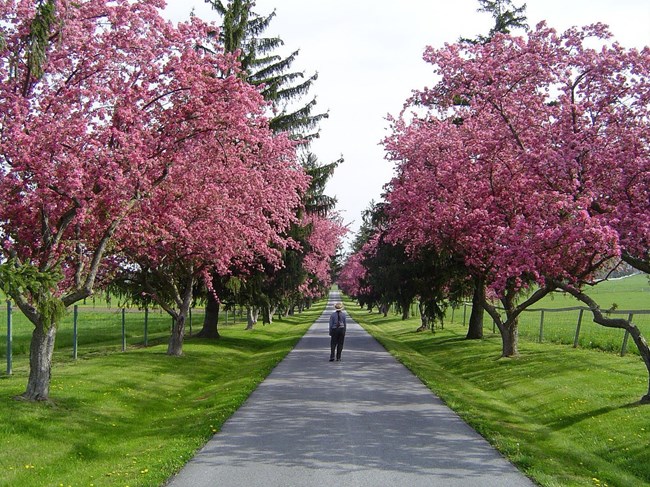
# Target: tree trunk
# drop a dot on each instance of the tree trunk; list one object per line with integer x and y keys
{"x": 405, "y": 313}
{"x": 509, "y": 328}
{"x": 267, "y": 315}
{"x": 175, "y": 347}
{"x": 424, "y": 319}
{"x": 251, "y": 317}
{"x": 475, "y": 329}
{"x": 211, "y": 320}
{"x": 510, "y": 338}
{"x": 40, "y": 363}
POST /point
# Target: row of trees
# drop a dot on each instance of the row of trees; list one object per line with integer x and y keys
{"x": 523, "y": 170}
{"x": 141, "y": 155}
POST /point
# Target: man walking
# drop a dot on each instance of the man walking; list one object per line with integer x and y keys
{"x": 337, "y": 331}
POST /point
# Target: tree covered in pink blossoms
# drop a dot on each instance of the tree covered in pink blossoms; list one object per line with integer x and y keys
{"x": 231, "y": 213}
{"x": 350, "y": 279}
{"x": 323, "y": 240}
{"x": 99, "y": 101}
{"x": 522, "y": 160}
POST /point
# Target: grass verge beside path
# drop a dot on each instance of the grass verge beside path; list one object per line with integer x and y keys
{"x": 564, "y": 416}
{"x": 133, "y": 419}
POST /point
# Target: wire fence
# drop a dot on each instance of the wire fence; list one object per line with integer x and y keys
{"x": 570, "y": 326}
{"x": 88, "y": 329}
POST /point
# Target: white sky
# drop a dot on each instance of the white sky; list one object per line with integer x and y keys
{"x": 368, "y": 55}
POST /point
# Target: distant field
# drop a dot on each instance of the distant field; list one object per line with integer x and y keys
{"x": 626, "y": 295}
{"x": 630, "y": 293}
{"x": 100, "y": 321}
{"x": 99, "y": 329}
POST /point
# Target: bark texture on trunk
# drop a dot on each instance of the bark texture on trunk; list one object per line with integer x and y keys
{"x": 510, "y": 338}
{"x": 424, "y": 319}
{"x": 475, "y": 328}
{"x": 252, "y": 314}
{"x": 211, "y": 320}
{"x": 40, "y": 363}
{"x": 175, "y": 346}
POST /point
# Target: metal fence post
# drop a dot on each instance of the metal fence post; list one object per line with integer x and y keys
{"x": 541, "y": 327}
{"x": 627, "y": 335}
{"x": 9, "y": 340}
{"x": 75, "y": 316}
{"x": 575, "y": 339}
{"x": 123, "y": 329}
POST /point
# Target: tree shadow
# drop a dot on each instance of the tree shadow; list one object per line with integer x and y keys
{"x": 363, "y": 421}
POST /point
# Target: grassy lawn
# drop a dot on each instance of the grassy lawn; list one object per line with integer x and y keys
{"x": 566, "y": 417}
{"x": 134, "y": 418}
{"x": 629, "y": 294}
{"x": 99, "y": 328}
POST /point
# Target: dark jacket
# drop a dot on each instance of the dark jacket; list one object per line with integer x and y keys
{"x": 337, "y": 320}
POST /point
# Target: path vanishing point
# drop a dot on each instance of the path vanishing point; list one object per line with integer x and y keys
{"x": 366, "y": 421}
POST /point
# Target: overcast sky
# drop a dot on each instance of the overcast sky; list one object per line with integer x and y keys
{"x": 368, "y": 55}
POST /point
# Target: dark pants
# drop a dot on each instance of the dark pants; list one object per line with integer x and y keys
{"x": 336, "y": 342}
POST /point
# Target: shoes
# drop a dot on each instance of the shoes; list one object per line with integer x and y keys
{"x": 331, "y": 360}
{"x": 338, "y": 359}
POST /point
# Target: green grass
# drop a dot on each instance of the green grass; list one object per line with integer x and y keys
{"x": 564, "y": 416}
{"x": 559, "y": 327}
{"x": 99, "y": 328}
{"x": 134, "y": 418}
{"x": 629, "y": 293}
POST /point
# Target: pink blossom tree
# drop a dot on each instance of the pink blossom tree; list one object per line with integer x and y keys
{"x": 324, "y": 240}
{"x": 351, "y": 277}
{"x": 527, "y": 147}
{"x": 231, "y": 213}
{"x": 89, "y": 131}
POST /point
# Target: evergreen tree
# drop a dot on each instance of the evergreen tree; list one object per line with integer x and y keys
{"x": 506, "y": 17}
{"x": 242, "y": 30}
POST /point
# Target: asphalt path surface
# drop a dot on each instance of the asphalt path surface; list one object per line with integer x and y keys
{"x": 363, "y": 421}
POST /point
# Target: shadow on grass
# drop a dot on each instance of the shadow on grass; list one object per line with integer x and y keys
{"x": 571, "y": 420}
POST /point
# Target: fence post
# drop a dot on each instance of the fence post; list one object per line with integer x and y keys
{"x": 627, "y": 335}
{"x": 75, "y": 319}
{"x": 541, "y": 327}
{"x": 9, "y": 340}
{"x": 575, "y": 339}
{"x": 123, "y": 329}
{"x": 146, "y": 325}
{"x": 453, "y": 310}
{"x": 464, "y": 313}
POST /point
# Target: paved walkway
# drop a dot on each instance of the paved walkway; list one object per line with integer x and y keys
{"x": 364, "y": 421}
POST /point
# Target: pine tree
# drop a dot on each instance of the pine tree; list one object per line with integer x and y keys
{"x": 506, "y": 17}
{"x": 242, "y": 30}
